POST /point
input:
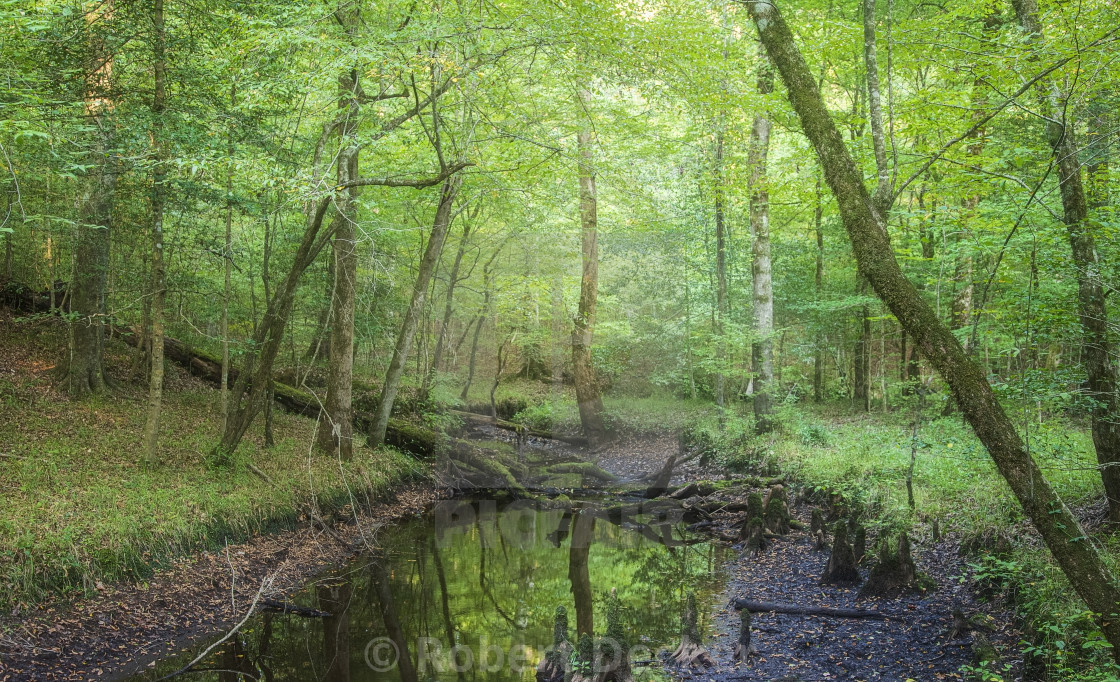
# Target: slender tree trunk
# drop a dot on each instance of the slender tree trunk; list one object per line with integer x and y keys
{"x": 336, "y": 431}
{"x": 1060, "y": 530}
{"x": 688, "y": 337}
{"x": 818, "y": 352}
{"x": 159, "y": 284}
{"x": 882, "y": 195}
{"x": 474, "y": 344}
{"x": 721, "y": 274}
{"x": 762, "y": 286}
{"x": 861, "y": 356}
{"x": 1097, "y": 348}
{"x": 587, "y": 386}
{"x": 227, "y": 260}
{"x": 415, "y": 308}
{"x": 85, "y": 370}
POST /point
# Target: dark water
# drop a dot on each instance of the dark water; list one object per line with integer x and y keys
{"x": 483, "y": 579}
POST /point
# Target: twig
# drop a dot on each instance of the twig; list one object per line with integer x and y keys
{"x": 267, "y": 582}
{"x": 253, "y": 468}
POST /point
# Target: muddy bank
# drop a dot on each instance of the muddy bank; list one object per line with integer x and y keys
{"x": 124, "y": 627}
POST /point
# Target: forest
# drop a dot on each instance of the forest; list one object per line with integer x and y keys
{"x": 750, "y": 302}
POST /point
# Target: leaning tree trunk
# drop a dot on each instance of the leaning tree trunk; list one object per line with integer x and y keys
{"x": 335, "y": 424}
{"x": 159, "y": 195}
{"x": 412, "y": 316}
{"x": 448, "y": 310}
{"x": 85, "y": 369}
{"x": 1098, "y": 350}
{"x": 762, "y": 284}
{"x": 587, "y": 387}
{"x": 1059, "y": 529}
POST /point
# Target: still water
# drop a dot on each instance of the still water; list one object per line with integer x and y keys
{"x": 468, "y": 592}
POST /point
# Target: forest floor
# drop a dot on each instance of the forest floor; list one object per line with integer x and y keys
{"x": 103, "y": 562}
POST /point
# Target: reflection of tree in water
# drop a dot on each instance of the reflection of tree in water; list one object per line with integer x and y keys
{"x": 473, "y": 583}
{"x": 334, "y": 598}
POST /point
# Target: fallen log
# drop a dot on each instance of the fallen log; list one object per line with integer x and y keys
{"x": 517, "y": 428}
{"x": 285, "y": 607}
{"x": 585, "y": 469}
{"x": 793, "y": 609}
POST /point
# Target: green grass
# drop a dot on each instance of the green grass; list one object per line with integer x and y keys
{"x": 79, "y": 508}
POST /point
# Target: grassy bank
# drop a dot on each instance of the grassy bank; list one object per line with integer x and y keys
{"x": 79, "y": 509}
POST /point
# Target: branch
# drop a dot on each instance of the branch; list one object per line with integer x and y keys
{"x": 402, "y": 182}
{"x": 984, "y": 120}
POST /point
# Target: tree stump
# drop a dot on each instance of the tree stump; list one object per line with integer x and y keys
{"x": 614, "y": 651}
{"x": 816, "y": 524}
{"x": 744, "y": 648}
{"x": 776, "y": 510}
{"x": 557, "y": 660}
{"x": 984, "y": 657}
{"x": 841, "y": 568}
{"x": 859, "y": 543}
{"x": 894, "y": 573}
{"x": 752, "y": 533}
{"x": 583, "y": 667}
{"x": 820, "y": 541}
{"x": 691, "y": 651}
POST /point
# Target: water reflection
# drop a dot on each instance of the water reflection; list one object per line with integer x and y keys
{"x": 469, "y": 592}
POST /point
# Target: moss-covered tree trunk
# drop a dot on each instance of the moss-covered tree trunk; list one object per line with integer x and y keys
{"x": 866, "y": 230}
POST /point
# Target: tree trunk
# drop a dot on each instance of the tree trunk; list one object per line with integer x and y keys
{"x": 448, "y": 310}
{"x": 1059, "y": 529}
{"x": 419, "y": 295}
{"x": 721, "y": 275}
{"x": 1098, "y": 350}
{"x": 587, "y": 386}
{"x": 762, "y": 286}
{"x": 227, "y": 261}
{"x": 335, "y": 424}
{"x": 85, "y": 370}
{"x": 861, "y": 357}
{"x": 818, "y": 353}
{"x": 158, "y": 290}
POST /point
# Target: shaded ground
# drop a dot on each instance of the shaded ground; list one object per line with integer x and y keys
{"x": 123, "y": 627}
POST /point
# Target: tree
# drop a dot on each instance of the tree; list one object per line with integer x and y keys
{"x": 587, "y": 386}
{"x": 1059, "y": 529}
{"x": 762, "y": 283}
{"x": 1098, "y": 349}
{"x": 440, "y": 225}
{"x": 84, "y": 367}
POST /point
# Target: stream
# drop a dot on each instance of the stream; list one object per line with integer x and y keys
{"x": 468, "y": 591}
